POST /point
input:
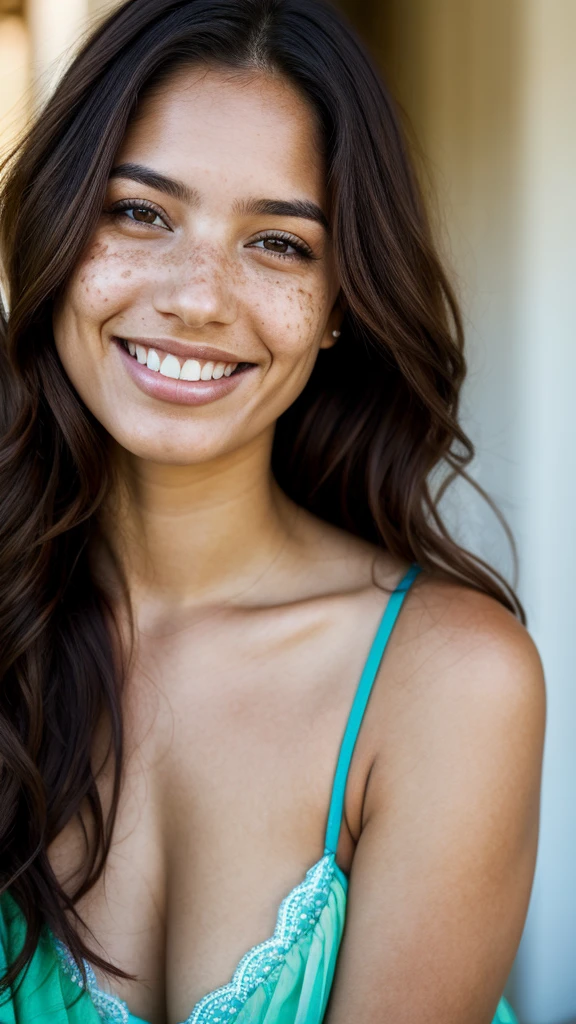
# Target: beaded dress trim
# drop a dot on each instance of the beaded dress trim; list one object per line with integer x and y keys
{"x": 110, "y": 1008}
{"x": 298, "y": 912}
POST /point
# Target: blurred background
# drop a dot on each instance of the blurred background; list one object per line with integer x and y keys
{"x": 488, "y": 88}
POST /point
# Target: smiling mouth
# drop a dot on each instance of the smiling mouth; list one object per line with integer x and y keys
{"x": 169, "y": 365}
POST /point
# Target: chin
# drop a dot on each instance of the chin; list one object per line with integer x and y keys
{"x": 165, "y": 447}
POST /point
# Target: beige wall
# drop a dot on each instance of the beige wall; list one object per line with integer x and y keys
{"x": 14, "y": 78}
{"x": 55, "y": 27}
{"x": 35, "y": 44}
{"x": 491, "y": 89}
{"x": 457, "y": 66}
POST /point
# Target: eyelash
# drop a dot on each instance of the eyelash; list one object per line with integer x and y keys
{"x": 128, "y": 204}
{"x": 302, "y": 250}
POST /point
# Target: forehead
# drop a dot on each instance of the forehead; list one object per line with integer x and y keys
{"x": 223, "y": 132}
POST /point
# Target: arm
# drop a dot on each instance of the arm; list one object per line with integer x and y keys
{"x": 443, "y": 868}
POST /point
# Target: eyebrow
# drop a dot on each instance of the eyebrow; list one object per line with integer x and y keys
{"x": 302, "y": 208}
{"x": 146, "y": 176}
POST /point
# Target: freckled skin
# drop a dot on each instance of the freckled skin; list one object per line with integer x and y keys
{"x": 194, "y": 275}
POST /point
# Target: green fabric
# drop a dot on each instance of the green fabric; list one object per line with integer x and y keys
{"x": 42, "y": 993}
{"x": 296, "y": 993}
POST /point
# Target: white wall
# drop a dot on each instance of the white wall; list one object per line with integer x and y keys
{"x": 547, "y": 375}
{"x": 491, "y": 89}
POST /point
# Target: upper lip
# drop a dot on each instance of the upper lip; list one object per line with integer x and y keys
{"x": 186, "y": 350}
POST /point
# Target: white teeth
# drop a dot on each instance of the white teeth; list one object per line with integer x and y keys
{"x": 170, "y": 367}
{"x": 190, "y": 370}
{"x": 153, "y": 361}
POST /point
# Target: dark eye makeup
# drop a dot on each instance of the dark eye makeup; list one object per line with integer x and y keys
{"x": 276, "y": 243}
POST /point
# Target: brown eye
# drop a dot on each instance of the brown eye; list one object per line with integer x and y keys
{"x": 130, "y": 209}
{"x": 288, "y": 248}
{"x": 143, "y": 215}
{"x": 276, "y": 245}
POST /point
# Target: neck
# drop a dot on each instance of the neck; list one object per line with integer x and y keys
{"x": 195, "y": 535}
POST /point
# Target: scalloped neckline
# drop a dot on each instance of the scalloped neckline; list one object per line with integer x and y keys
{"x": 256, "y": 966}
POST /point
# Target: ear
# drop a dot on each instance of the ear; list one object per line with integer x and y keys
{"x": 334, "y": 324}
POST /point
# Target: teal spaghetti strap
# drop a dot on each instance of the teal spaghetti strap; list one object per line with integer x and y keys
{"x": 359, "y": 706}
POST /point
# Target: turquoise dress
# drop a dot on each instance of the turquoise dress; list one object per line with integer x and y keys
{"x": 284, "y": 980}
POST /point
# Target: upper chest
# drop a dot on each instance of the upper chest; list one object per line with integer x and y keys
{"x": 232, "y": 736}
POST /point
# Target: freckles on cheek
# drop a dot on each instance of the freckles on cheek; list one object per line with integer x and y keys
{"x": 306, "y": 313}
{"x": 311, "y": 308}
{"x": 103, "y": 283}
{"x": 292, "y": 315}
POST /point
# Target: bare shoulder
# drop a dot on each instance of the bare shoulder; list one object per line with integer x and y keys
{"x": 457, "y": 659}
{"x": 447, "y": 832}
{"x": 462, "y": 696}
{"x": 460, "y": 644}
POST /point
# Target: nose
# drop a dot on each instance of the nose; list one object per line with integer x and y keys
{"x": 197, "y": 289}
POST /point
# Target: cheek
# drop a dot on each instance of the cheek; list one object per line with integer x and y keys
{"x": 102, "y": 283}
{"x": 292, "y": 315}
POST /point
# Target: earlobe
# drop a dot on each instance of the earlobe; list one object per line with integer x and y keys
{"x": 336, "y": 316}
{"x": 330, "y": 338}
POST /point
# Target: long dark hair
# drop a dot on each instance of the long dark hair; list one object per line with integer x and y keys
{"x": 378, "y": 414}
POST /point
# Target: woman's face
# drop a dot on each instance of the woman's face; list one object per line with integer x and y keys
{"x": 211, "y": 260}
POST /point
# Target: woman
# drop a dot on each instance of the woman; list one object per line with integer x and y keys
{"x": 231, "y": 363}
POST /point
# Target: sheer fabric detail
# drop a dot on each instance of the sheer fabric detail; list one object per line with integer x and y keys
{"x": 298, "y": 912}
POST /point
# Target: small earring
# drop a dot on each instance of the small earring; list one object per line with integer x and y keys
{"x": 335, "y": 334}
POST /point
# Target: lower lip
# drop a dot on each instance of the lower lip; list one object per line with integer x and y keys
{"x": 180, "y": 392}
